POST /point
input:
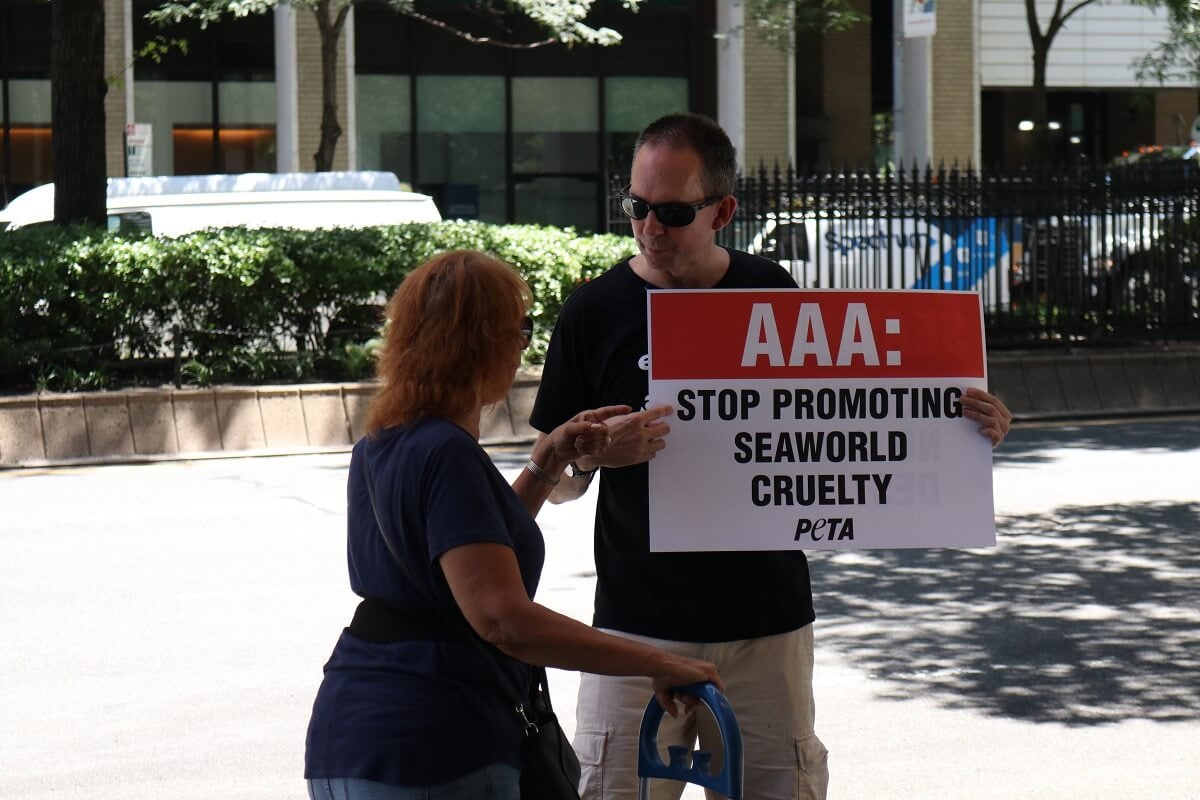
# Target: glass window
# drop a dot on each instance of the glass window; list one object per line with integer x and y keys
{"x": 556, "y": 150}
{"x": 384, "y": 124}
{"x": 29, "y": 135}
{"x": 180, "y": 115}
{"x": 631, "y": 104}
{"x": 212, "y": 107}
{"x": 564, "y": 201}
{"x": 555, "y": 121}
{"x": 246, "y": 139}
{"x": 461, "y": 126}
{"x": 25, "y": 151}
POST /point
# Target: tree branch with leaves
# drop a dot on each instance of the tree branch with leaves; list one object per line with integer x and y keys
{"x": 1178, "y": 56}
{"x": 563, "y": 21}
{"x": 778, "y": 20}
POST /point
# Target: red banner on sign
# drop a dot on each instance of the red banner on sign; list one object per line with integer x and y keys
{"x": 815, "y": 334}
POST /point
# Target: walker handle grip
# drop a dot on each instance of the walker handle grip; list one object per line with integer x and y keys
{"x": 729, "y": 780}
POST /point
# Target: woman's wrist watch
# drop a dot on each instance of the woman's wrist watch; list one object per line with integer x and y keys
{"x": 573, "y": 471}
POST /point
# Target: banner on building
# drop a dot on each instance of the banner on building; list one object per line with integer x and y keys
{"x": 920, "y": 18}
{"x": 818, "y": 419}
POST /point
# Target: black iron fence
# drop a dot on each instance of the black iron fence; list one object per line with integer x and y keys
{"x": 1086, "y": 256}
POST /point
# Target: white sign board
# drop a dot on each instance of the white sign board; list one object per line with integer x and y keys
{"x": 139, "y": 150}
{"x": 920, "y": 18}
{"x": 818, "y": 419}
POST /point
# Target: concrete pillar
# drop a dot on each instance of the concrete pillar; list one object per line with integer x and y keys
{"x": 912, "y": 79}
{"x": 956, "y": 89}
{"x": 768, "y": 125}
{"x": 127, "y": 49}
{"x": 287, "y": 92}
{"x": 731, "y": 74}
{"x": 350, "y": 123}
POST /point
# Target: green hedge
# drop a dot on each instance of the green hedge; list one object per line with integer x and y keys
{"x": 81, "y": 308}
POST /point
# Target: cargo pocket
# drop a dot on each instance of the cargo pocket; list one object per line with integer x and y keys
{"x": 812, "y": 775}
{"x": 590, "y": 747}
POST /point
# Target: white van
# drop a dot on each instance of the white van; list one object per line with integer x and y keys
{"x": 175, "y": 205}
{"x": 891, "y": 252}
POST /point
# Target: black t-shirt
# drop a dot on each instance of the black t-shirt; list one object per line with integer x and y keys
{"x": 597, "y": 357}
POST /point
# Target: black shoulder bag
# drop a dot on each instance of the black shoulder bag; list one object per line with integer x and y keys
{"x": 549, "y": 767}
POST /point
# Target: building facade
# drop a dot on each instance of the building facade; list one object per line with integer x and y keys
{"x": 530, "y": 135}
{"x": 495, "y": 133}
{"x": 1097, "y": 107}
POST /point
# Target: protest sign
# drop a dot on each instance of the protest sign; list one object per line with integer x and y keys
{"x": 810, "y": 419}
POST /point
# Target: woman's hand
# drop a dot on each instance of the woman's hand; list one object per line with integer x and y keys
{"x": 585, "y": 434}
{"x": 680, "y": 671}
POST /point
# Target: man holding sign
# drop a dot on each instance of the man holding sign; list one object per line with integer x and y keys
{"x": 750, "y": 612}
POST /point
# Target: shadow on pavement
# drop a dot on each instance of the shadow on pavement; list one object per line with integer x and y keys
{"x": 1028, "y": 444}
{"x": 1088, "y": 616}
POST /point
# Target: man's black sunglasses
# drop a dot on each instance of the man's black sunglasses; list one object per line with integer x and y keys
{"x": 671, "y": 215}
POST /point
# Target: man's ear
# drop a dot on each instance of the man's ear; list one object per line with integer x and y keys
{"x": 725, "y": 210}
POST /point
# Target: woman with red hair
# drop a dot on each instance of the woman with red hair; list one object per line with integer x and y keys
{"x": 409, "y": 706}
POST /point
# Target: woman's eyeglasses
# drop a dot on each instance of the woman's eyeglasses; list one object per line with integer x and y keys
{"x": 671, "y": 215}
{"x": 527, "y": 330}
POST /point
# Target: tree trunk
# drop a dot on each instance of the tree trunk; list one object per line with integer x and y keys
{"x": 77, "y": 89}
{"x": 331, "y": 33}
{"x": 1041, "y": 115}
{"x": 1041, "y": 55}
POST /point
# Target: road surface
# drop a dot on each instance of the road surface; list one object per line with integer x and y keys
{"x": 165, "y": 626}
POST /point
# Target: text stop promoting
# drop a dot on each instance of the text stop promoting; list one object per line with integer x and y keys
{"x": 818, "y": 419}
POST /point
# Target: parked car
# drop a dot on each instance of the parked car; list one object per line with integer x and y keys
{"x": 179, "y": 204}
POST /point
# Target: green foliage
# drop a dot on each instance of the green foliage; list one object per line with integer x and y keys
{"x": 80, "y": 307}
{"x": 563, "y": 20}
{"x": 357, "y": 361}
{"x": 249, "y": 365}
{"x": 1178, "y": 56}
{"x": 778, "y": 20}
{"x": 72, "y": 299}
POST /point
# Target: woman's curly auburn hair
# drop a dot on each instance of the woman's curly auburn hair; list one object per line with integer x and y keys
{"x": 449, "y": 328}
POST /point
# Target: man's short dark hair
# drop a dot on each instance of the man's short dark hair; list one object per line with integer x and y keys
{"x": 703, "y": 135}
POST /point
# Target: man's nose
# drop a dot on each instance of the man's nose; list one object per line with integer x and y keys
{"x": 651, "y": 226}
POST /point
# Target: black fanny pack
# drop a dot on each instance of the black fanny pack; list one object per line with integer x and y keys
{"x": 378, "y": 622}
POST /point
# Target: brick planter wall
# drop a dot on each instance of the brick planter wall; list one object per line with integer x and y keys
{"x": 36, "y": 430}
{"x": 39, "y": 430}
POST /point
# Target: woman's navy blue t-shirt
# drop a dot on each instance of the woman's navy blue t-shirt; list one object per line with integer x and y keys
{"x": 420, "y": 713}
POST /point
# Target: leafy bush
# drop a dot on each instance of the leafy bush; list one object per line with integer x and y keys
{"x": 81, "y": 307}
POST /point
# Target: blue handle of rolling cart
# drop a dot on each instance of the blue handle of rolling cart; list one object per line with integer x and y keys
{"x": 650, "y": 765}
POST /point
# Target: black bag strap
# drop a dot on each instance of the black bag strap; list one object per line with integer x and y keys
{"x": 537, "y": 676}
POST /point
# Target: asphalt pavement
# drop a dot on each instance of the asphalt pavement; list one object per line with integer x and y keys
{"x": 165, "y": 626}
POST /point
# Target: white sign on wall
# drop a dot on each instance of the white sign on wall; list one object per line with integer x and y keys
{"x": 139, "y": 150}
{"x": 920, "y": 18}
